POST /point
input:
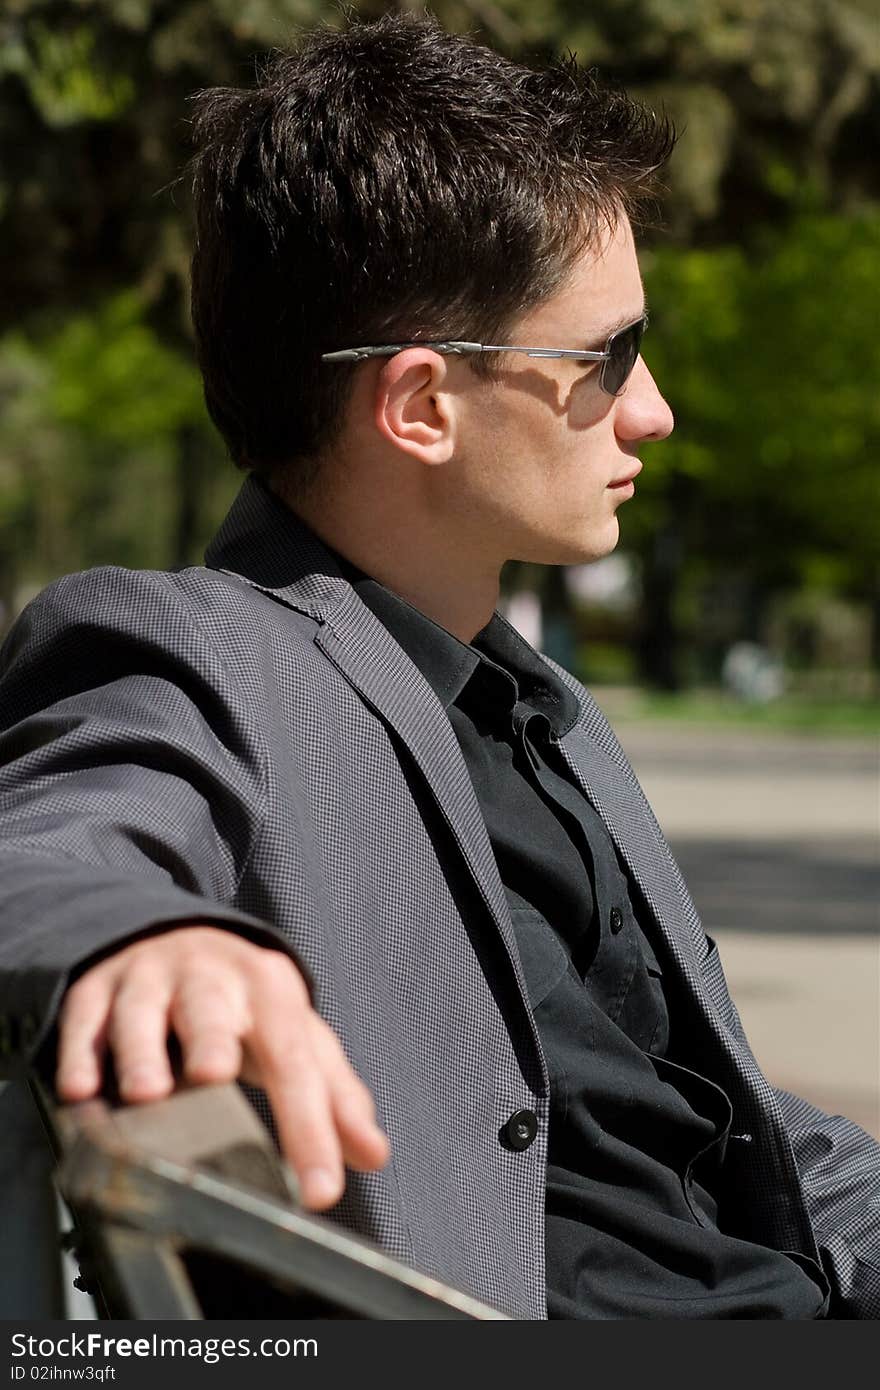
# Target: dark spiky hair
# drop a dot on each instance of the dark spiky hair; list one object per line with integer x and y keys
{"x": 389, "y": 181}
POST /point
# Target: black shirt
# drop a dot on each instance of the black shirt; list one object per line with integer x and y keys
{"x": 636, "y": 1141}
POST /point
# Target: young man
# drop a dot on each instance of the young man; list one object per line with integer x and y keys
{"x": 319, "y": 812}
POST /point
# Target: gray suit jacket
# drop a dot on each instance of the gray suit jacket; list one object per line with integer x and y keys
{"x": 246, "y": 744}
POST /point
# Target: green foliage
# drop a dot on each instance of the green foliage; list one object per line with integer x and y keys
{"x": 89, "y": 444}
{"x": 66, "y": 82}
{"x": 115, "y": 382}
{"x": 770, "y": 358}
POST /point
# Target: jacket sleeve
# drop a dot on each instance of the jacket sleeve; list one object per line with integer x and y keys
{"x": 839, "y": 1167}
{"x": 131, "y": 787}
{"x": 839, "y": 1164}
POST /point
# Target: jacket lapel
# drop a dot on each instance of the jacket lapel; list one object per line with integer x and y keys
{"x": 367, "y": 655}
{"x": 631, "y": 827}
{"x": 263, "y": 543}
{"x": 616, "y": 796}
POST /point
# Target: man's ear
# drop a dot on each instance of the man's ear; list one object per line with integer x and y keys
{"x": 412, "y": 406}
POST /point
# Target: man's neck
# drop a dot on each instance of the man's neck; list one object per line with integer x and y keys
{"x": 411, "y": 556}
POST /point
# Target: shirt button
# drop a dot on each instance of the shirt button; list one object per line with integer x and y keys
{"x": 616, "y": 920}
{"x": 520, "y": 1130}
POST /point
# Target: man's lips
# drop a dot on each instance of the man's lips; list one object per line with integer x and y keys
{"x": 627, "y": 477}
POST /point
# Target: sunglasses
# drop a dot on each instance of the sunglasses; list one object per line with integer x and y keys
{"x": 619, "y": 356}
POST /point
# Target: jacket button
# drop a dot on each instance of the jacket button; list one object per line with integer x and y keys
{"x": 616, "y": 920}
{"x": 520, "y": 1129}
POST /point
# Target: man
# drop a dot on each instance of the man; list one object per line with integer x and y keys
{"x": 316, "y": 812}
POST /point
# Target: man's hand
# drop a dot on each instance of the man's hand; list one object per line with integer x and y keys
{"x": 238, "y": 1010}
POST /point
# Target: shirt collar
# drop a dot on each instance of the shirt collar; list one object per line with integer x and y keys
{"x": 448, "y": 663}
{"x": 538, "y": 686}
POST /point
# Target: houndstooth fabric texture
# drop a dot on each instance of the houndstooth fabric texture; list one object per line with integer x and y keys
{"x": 246, "y": 744}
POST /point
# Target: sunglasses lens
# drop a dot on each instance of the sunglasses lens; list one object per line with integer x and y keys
{"x": 623, "y": 348}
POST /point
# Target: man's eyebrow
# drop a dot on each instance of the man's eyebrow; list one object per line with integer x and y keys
{"x": 601, "y": 335}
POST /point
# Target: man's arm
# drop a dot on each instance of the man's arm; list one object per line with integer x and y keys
{"x": 839, "y": 1165}
{"x": 131, "y": 791}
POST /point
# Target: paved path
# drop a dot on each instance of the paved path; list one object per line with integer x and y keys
{"x": 779, "y": 840}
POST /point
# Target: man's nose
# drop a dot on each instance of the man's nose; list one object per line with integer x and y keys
{"x": 642, "y": 412}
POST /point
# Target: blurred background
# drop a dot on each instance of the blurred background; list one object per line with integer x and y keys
{"x": 734, "y": 636}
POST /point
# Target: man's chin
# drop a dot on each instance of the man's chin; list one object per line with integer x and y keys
{"x": 574, "y": 550}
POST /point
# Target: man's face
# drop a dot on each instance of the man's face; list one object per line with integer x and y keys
{"x": 543, "y": 455}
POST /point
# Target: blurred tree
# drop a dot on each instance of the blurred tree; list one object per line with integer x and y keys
{"x": 770, "y": 356}
{"x": 90, "y": 434}
{"x": 93, "y": 111}
{"x": 769, "y": 93}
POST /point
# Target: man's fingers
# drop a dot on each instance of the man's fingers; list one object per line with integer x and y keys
{"x": 138, "y": 1035}
{"x": 364, "y": 1144}
{"x": 82, "y": 1028}
{"x": 208, "y": 1016}
{"x": 300, "y": 1101}
{"x": 237, "y": 1011}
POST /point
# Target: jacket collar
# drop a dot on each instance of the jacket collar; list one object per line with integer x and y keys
{"x": 265, "y": 543}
